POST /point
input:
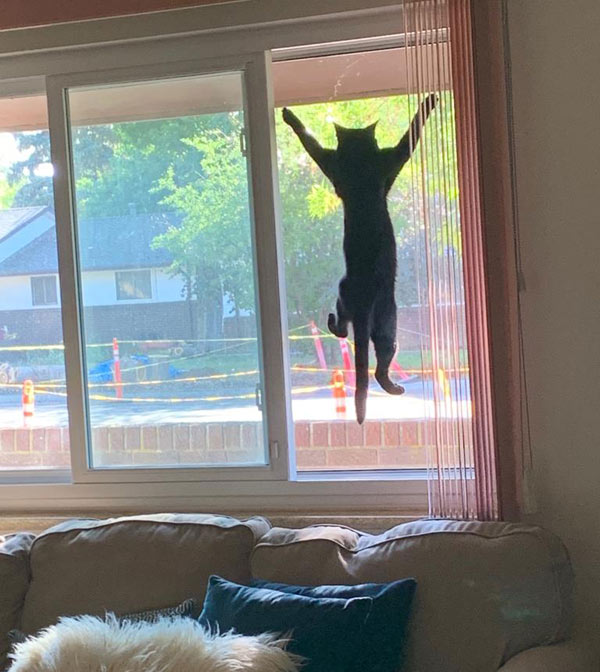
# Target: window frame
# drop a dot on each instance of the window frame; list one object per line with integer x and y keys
{"x": 45, "y": 278}
{"x": 348, "y": 491}
{"x": 123, "y": 300}
{"x": 255, "y": 69}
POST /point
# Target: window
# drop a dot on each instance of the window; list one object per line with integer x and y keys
{"x": 43, "y": 291}
{"x": 355, "y": 89}
{"x": 200, "y": 252}
{"x": 133, "y": 285}
{"x": 31, "y": 337}
{"x": 175, "y": 143}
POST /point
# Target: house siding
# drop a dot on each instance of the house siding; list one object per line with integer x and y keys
{"x": 149, "y": 320}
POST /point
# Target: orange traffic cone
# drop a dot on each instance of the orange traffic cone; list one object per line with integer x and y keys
{"x": 28, "y": 399}
{"x": 339, "y": 393}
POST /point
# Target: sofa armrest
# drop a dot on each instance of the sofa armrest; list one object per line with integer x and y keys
{"x": 569, "y": 656}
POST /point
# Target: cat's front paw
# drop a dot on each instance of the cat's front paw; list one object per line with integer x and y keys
{"x": 288, "y": 116}
{"x": 430, "y": 102}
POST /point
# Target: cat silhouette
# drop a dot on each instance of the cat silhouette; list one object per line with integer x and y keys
{"x": 362, "y": 175}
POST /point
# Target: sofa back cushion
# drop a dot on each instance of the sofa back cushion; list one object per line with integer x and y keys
{"x": 484, "y": 590}
{"x": 133, "y": 563}
{"x": 14, "y": 581}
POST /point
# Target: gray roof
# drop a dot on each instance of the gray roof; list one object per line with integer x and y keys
{"x": 13, "y": 219}
{"x": 105, "y": 243}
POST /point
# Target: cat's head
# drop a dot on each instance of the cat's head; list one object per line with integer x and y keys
{"x": 356, "y": 139}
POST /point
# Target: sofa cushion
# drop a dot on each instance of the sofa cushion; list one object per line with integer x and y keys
{"x": 14, "y": 581}
{"x": 133, "y": 563}
{"x": 385, "y": 628}
{"x": 326, "y": 632}
{"x": 486, "y": 590}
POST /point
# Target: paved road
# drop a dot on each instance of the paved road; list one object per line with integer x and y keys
{"x": 52, "y": 412}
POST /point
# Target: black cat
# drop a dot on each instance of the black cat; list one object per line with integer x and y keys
{"x": 363, "y": 175}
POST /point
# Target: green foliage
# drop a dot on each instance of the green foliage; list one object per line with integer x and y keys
{"x": 212, "y": 246}
{"x": 194, "y": 165}
{"x": 8, "y": 192}
{"x": 31, "y": 189}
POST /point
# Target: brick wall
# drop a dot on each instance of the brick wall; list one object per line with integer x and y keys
{"x": 319, "y": 445}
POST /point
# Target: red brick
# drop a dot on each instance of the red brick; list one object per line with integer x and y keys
{"x": 410, "y": 433}
{"x": 53, "y": 441}
{"x": 355, "y": 434}
{"x": 133, "y": 438}
{"x": 65, "y": 440}
{"x": 104, "y": 459}
{"x": 352, "y": 458}
{"x": 399, "y": 458}
{"x": 193, "y": 458}
{"x": 23, "y": 440}
{"x": 181, "y": 437}
{"x": 100, "y": 440}
{"x": 116, "y": 439}
{"x": 7, "y": 440}
{"x": 55, "y": 460}
{"x": 242, "y": 456}
{"x": 426, "y": 432}
{"x": 311, "y": 459}
{"x": 198, "y": 436}
{"x": 249, "y": 434}
{"x": 214, "y": 457}
{"x": 337, "y": 433}
{"x": 38, "y": 440}
{"x": 149, "y": 438}
{"x": 158, "y": 458}
{"x": 231, "y": 435}
{"x": 215, "y": 437}
{"x": 320, "y": 432}
{"x": 302, "y": 434}
{"x": 165, "y": 438}
{"x": 391, "y": 434}
{"x": 373, "y": 433}
{"x": 8, "y": 460}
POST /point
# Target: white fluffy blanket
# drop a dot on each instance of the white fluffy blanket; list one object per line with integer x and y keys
{"x": 89, "y": 644}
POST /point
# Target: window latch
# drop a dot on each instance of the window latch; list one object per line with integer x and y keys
{"x": 258, "y": 396}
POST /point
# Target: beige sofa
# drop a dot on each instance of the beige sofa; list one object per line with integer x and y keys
{"x": 490, "y": 596}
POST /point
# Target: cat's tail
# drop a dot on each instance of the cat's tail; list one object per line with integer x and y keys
{"x": 361, "y": 365}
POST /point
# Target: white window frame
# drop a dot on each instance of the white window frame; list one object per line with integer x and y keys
{"x": 158, "y": 55}
{"x": 134, "y": 299}
{"x": 44, "y": 278}
{"x": 269, "y": 264}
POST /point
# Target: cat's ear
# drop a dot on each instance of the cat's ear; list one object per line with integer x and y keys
{"x": 340, "y": 131}
{"x": 372, "y": 128}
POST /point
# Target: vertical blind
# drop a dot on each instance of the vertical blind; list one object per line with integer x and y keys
{"x": 462, "y": 471}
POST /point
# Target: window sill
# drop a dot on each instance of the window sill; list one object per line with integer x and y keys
{"x": 406, "y": 497}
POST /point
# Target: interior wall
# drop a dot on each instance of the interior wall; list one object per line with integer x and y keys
{"x": 556, "y": 86}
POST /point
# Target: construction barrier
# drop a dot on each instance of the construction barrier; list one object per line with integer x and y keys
{"x": 28, "y": 399}
{"x": 339, "y": 393}
{"x": 318, "y": 345}
{"x": 348, "y": 368}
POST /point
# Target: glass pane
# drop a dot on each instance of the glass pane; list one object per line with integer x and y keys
{"x": 166, "y": 259}
{"x": 34, "y": 431}
{"x": 354, "y": 90}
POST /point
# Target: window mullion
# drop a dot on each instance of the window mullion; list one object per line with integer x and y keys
{"x": 68, "y": 276}
{"x": 270, "y": 262}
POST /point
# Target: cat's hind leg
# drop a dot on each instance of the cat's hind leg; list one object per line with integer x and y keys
{"x": 338, "y": 326}
{"x": 383, "y": 335}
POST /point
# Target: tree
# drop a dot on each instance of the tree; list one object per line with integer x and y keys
{"x": 211, "y": 248}
{"x": 93, "y": 147}
{"x": 30, "y": 187}
{"x": 193, "y": 165}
